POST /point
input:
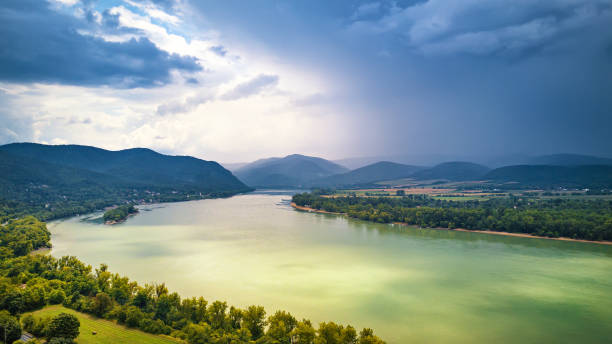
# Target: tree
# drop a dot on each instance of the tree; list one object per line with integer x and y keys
{"x": 9, "y": 327}
{"x": 56, "y": 297}
{"x": 254, "y": 320}
{"x": 63, "y": 325}
{"x": 281, "y": 325}
{"x": 303, "y": 333}
{"x": 329, "y": 333}
{"x": 366, "y": 336}
{"x": 216, "y": 315}
{"x": 348, "y": 335}
{"x": 102, "y": 303}
{"x": 133, "y": 316}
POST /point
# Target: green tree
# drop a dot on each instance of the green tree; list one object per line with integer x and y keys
{"x": 133, "y": 316}
{"x": 216, "y": 315}
{"x": 56, "y": 297}
{"x": 254, "y": 319}
{"x": 281, "y": 325}
{"x": 366, "y": 336}
{"x": 9, "y": 327}
{"x": 303, "y": 333}
{"x": 63, "y": 325}
{"x": 102, "y": 303}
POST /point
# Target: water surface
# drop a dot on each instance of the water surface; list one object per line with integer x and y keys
{"x": 411, "y": 285}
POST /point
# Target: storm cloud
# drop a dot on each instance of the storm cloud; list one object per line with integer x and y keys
{"x": 43, "y": 45}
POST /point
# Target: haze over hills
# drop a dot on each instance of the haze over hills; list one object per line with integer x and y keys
{"x": 291, "y": 171}
{"x": 546, "y": 176}
{"x": 383, "y": 170}
{"x": 493, "y": 161}
{"x": 454, "y": 171}
{"x": 568, "y": 160}
{"x": 36, "y": 171}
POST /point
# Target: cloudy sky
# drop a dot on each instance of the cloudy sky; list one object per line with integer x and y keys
{"x": 240, "y": 80}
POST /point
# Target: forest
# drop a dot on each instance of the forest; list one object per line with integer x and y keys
{"x": 31, "y": 281}
{"x": 569, "y": 218}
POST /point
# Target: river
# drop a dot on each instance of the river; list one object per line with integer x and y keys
{"x": 410, "y": 285}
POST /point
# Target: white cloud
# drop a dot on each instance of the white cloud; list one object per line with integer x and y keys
{"x": 217, "y": 117}
{"x": 251, "y": 87}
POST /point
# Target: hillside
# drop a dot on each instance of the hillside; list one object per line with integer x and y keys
{"x": 453, "y": 171}
{"x": 137, "y": 165}
{"x": 589, "y": 176}
{"x": 291, "y": 171}
{"x": 383, "y": 170}
{"x": 58, "y": 181}
{"x": 569, "y": 160}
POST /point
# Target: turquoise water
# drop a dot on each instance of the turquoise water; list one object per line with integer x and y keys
{"x": 411, "y": 285}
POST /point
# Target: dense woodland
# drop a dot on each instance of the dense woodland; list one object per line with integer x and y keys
{"x": 570, "y": 218}
{"x": 31, "y": 281}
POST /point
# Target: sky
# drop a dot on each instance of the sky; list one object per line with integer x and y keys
{"x": 236, "y": 81}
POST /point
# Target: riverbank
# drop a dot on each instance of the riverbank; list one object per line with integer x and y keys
{"x": 520, "y": 235}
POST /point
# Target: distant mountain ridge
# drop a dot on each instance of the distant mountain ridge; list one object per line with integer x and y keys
{"x": 294, "y": 170}
{"x": 453, "y": 171}
{"x": 382, "y": 170}
{"x": 139, "y": 166}
{"x": 593, "y": 176}
{"x": 568, "y": 160}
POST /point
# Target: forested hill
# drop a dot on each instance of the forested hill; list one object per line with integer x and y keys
{"x": 135, "y": 165}
{"x": 56, "y": 181}
{"x": 383, "y": 170}
{"x": 291, "y": 171}
{"x": 454, "y": 171}
{"x": 595, "y": 176}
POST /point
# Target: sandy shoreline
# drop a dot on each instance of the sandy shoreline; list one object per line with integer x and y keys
{"x": 520, "y": 235}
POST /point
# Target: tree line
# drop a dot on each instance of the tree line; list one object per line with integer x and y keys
{"x": 571, "y": 218}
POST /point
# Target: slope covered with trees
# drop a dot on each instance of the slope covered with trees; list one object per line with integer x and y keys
{"x": 137, "y": 165}
{"x": 65, "y": 182}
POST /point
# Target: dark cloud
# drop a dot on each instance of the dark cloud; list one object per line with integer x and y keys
{"x": 42, "y": 45}
{"x": 472, "y": 77}
{"x": 251, "y": 87}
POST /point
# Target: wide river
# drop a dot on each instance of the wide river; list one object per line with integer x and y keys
{"x": 410, "y": 285}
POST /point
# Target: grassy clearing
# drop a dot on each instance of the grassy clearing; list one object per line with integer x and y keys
{"x": 107, "y": 332}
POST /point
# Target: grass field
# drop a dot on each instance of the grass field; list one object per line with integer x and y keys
{"x": 107, "y": 332}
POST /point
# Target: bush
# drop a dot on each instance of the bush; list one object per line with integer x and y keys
{"x": 63, "y": 326}
{"x": 56, "y": 297}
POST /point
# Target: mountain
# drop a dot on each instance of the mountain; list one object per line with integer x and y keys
{"x": 543, "y": 176}
{"x": 137, "y": 166}
{"x": 18, "y": 170}
{"x": 291, "y": 171}
{"x": 382, "y": 170}
{"x": 453, "y": 171}
{"x": 568, "y": 160}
